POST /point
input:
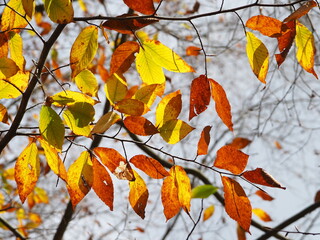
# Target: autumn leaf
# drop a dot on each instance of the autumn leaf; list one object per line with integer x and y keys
{"x": 12, "y": 16}
{"x": 140, "y": 126}
{"x": 305, "y": 48}
{"x": 138, "y": 195}
{"x": 147, "y": 94}
{"x": 8, "y": 68}
{"x": 193, "y": 51}
{"x": 83, "y": 49}
{"x": 231, "y": 159}
{"x": 237, "y": 204}
{"x": 258, "y": 56}
{"x": 241, "y": 234}
{"x": 68, "y": 98}
{"x": 51, "y": 127}
{"x": 265, "y": 196}
{"x": 27, "y": 170}
{"x": 102, "y": 183}
{"x": 115, "y": 88}
{"x": 267, "y": 26}
{"x": 80, "y": 178}
{"x": 208, "y": 212}
{"x": 239, "y": 143}
{"x": 223, "y": 107}
{"x": 203, "y": 191}
{"x": 28, "y": 7}
{"x": 131, "y": 107}
{"x": 142, "y": 6}
{"x": 13, "y": 87}
{"x": 199, "y": 96}
{"x": 87, "y": 83}
{"x": 105, "y": 122}
{"x": 301, "y": 11}
{"x": 4, "y": 49}
{"x": 59, "y": 11}
{"x": 149, "y": 166}
{"x": 260, "y": 176}
{"x": 123, "y": 57}
{"x": 204, "y": 141}
{"x": 15, "y": 45}
{"x": 37, "y": 196}
{"x": 261, "y": 214}
{"x": 174, "y": 130}
{"x": 168, "y": 108}
{"x": 3, "y": 114}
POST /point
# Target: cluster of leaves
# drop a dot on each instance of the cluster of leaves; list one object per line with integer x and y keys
{"x": 91, "y": 169}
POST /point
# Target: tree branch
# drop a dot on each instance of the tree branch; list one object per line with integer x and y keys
{"x": 12, "y": 229}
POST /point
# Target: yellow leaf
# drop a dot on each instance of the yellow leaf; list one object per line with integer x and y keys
{"x": 83, "y": 49}
{"x": 175, "y": 130}
{"x": 87, "y": 83}
{"x": 78, "y": 118}
{"x": 148, "y": 93}
{"x": 168, "y": 108}
{"x": 8, "y": 68}
{"x": 11, "y": 19}
{"x": 262, "y": 214}
{"x": 80, "y": 178}
{"x": 9, "y": 88}
{"x": 105, "y": 122}
{"x": 131, "y": 107}
{"x": 138, "y": 195}
{"x": 54, "y": 161}
{"x": 150, "y": 72}
{"x": 68, "y": 98}
{"x": 83, "y": 6}
{"x": 3, "y": 114}
{"x": 184, "y": 187}
{"x": 59, "y": 11}
{"x": 208, "y": 212}
{"x": 51, "y": 127}
{"x": 37, "y": 196}
{"x": 16, "y": 50}
{"x": 165, "y": 57}
{"x": 28, "y": 6}
{"x": 258, "y": 56}
{"x": 115, "y": 88}
{"x": 305, "y": 48}
{"x": 27, "y": 170}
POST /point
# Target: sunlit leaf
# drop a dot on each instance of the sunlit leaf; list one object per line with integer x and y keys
{"x": 184, "y": 187}
{"x": 102, "y": 183}
{"x": 59, "y": 11}
{"x": 237, "y": 204}
{"x": 265, "y": 196}
{"x": 150, "y": 166}
{"x": 261, "y": 214}
{"x": 138, "y": 195}
{"x": 301, "y": 11}
{"x": 83, "y": 49}
{"x": 175, "y": 130}
{"x": 27, "y": 170}
{"x": 16, "y": 50}
{"x": 78, "y": 117}
{"x": 260, "y": 176}
{"x": 9, "y": 88}
{"x": 51, "y": 127}
{"x": 239, "y": 142}
{"x": 87, "y": 82}
{"x": 123, "y": 57}
{"x": 38, "y": 195}
{"x": 168, "y": 108}
{"x": 68, "y": 98}
{"x": 193, "y": 51}
{"x": 203, "y": 191}
{"x": 54, "y": 161}
{"x": 3, "y": 114}
{"x": 4, "y": 49}
{"x": 105, "y": 122}
{"x": 28, "y": 7}
{"x": 115, "y": 88}
{"x": 267, "y": 26}
{"x": 204, "y": 141}
{"x": 208, "y": 212}
{"x": 142, "y": 6}
{"x": 258, "y": 56}
{"x": 305, "y": 48}
{"x": 147, "y": 94}
{"x": 131, "y": 107}
{"x": 199, "y": 96}
{"x": 11, "y": 19}
{"x": 140, "y": 126}
{"x": 223, "y": 107}
{"x": 8, "y": 68}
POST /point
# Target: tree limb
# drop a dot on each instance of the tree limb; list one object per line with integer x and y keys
{"x": 12, "y": 229}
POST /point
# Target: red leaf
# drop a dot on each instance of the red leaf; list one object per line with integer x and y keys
{"x": 199, "y": 96}
{"x": 140, "y": 126}
{"x": 142, "y": 6}
{"x": 260, "y": 176}
{"x": 239, "y": 143}
{"x": 204, "y": 141}
{"x": 301, "y": 11}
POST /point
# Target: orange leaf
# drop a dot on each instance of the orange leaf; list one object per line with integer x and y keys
{"x": 301, "y": 11}
{"x": 231, "y": 159}
{"x": 199, "y": 96}
{"x": 241, "y": 234}
{"x": 222, "y": 103}
{"x": 184, "y": 187}
{"x": 265, "y": 196}
{"x": 140, "y": 126}
{"x": 208, "y": 212}
{"x": 131, "y": 107}
{"x": 142, "y": 6}
{"x": 123, "y": 57}
{"x": 169, "y": 197}
{"x": 138, "y": 195}
{"x": 148, "y": 93}
{"x": 3, "y": 114}
{"x": 237, "y": 204}
{"x": 204, "y": 141}
{"x": 193, "y": 51}
{"x": 102, "y": 183}
{"x": 260, "y": 176}
{"x": 128, "y": 26}
{"x": 262, "y": 214}
{"x": 239, "y": 143}
{"x": 27, "y": 170}
{"x": 267, "y": 26}
{"x": 150, "y": 166}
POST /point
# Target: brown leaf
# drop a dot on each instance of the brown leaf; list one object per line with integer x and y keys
{"x": 317, "y": 197}
{"x": 131, "y": 107}
{"x": 199, "y": 96}
{"x": 265, "y": 196}
{"x": 140, "y": 126}
{"x": 237, "y": 204}
{"x": 239, "y": 143}
{"x": 150, "y": 166}
{"x": 241, "y": 233}
{"x": 260, "y": 176}
{"x": 223, "y": 107}
{"x": 204, "y": 141}
{"x": 231, "y": 159}
{"x": 142, "y": 6}
{"x": 267, "y": 26}
{"x": 301, "y": 11}
{"x": 128, "y": 26}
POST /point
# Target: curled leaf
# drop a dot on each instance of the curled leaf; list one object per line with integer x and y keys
{"x": 260, "y": 176}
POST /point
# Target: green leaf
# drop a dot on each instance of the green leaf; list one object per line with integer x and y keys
{"x": 87, "y": 83}
{"x": 203, "y": 191}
